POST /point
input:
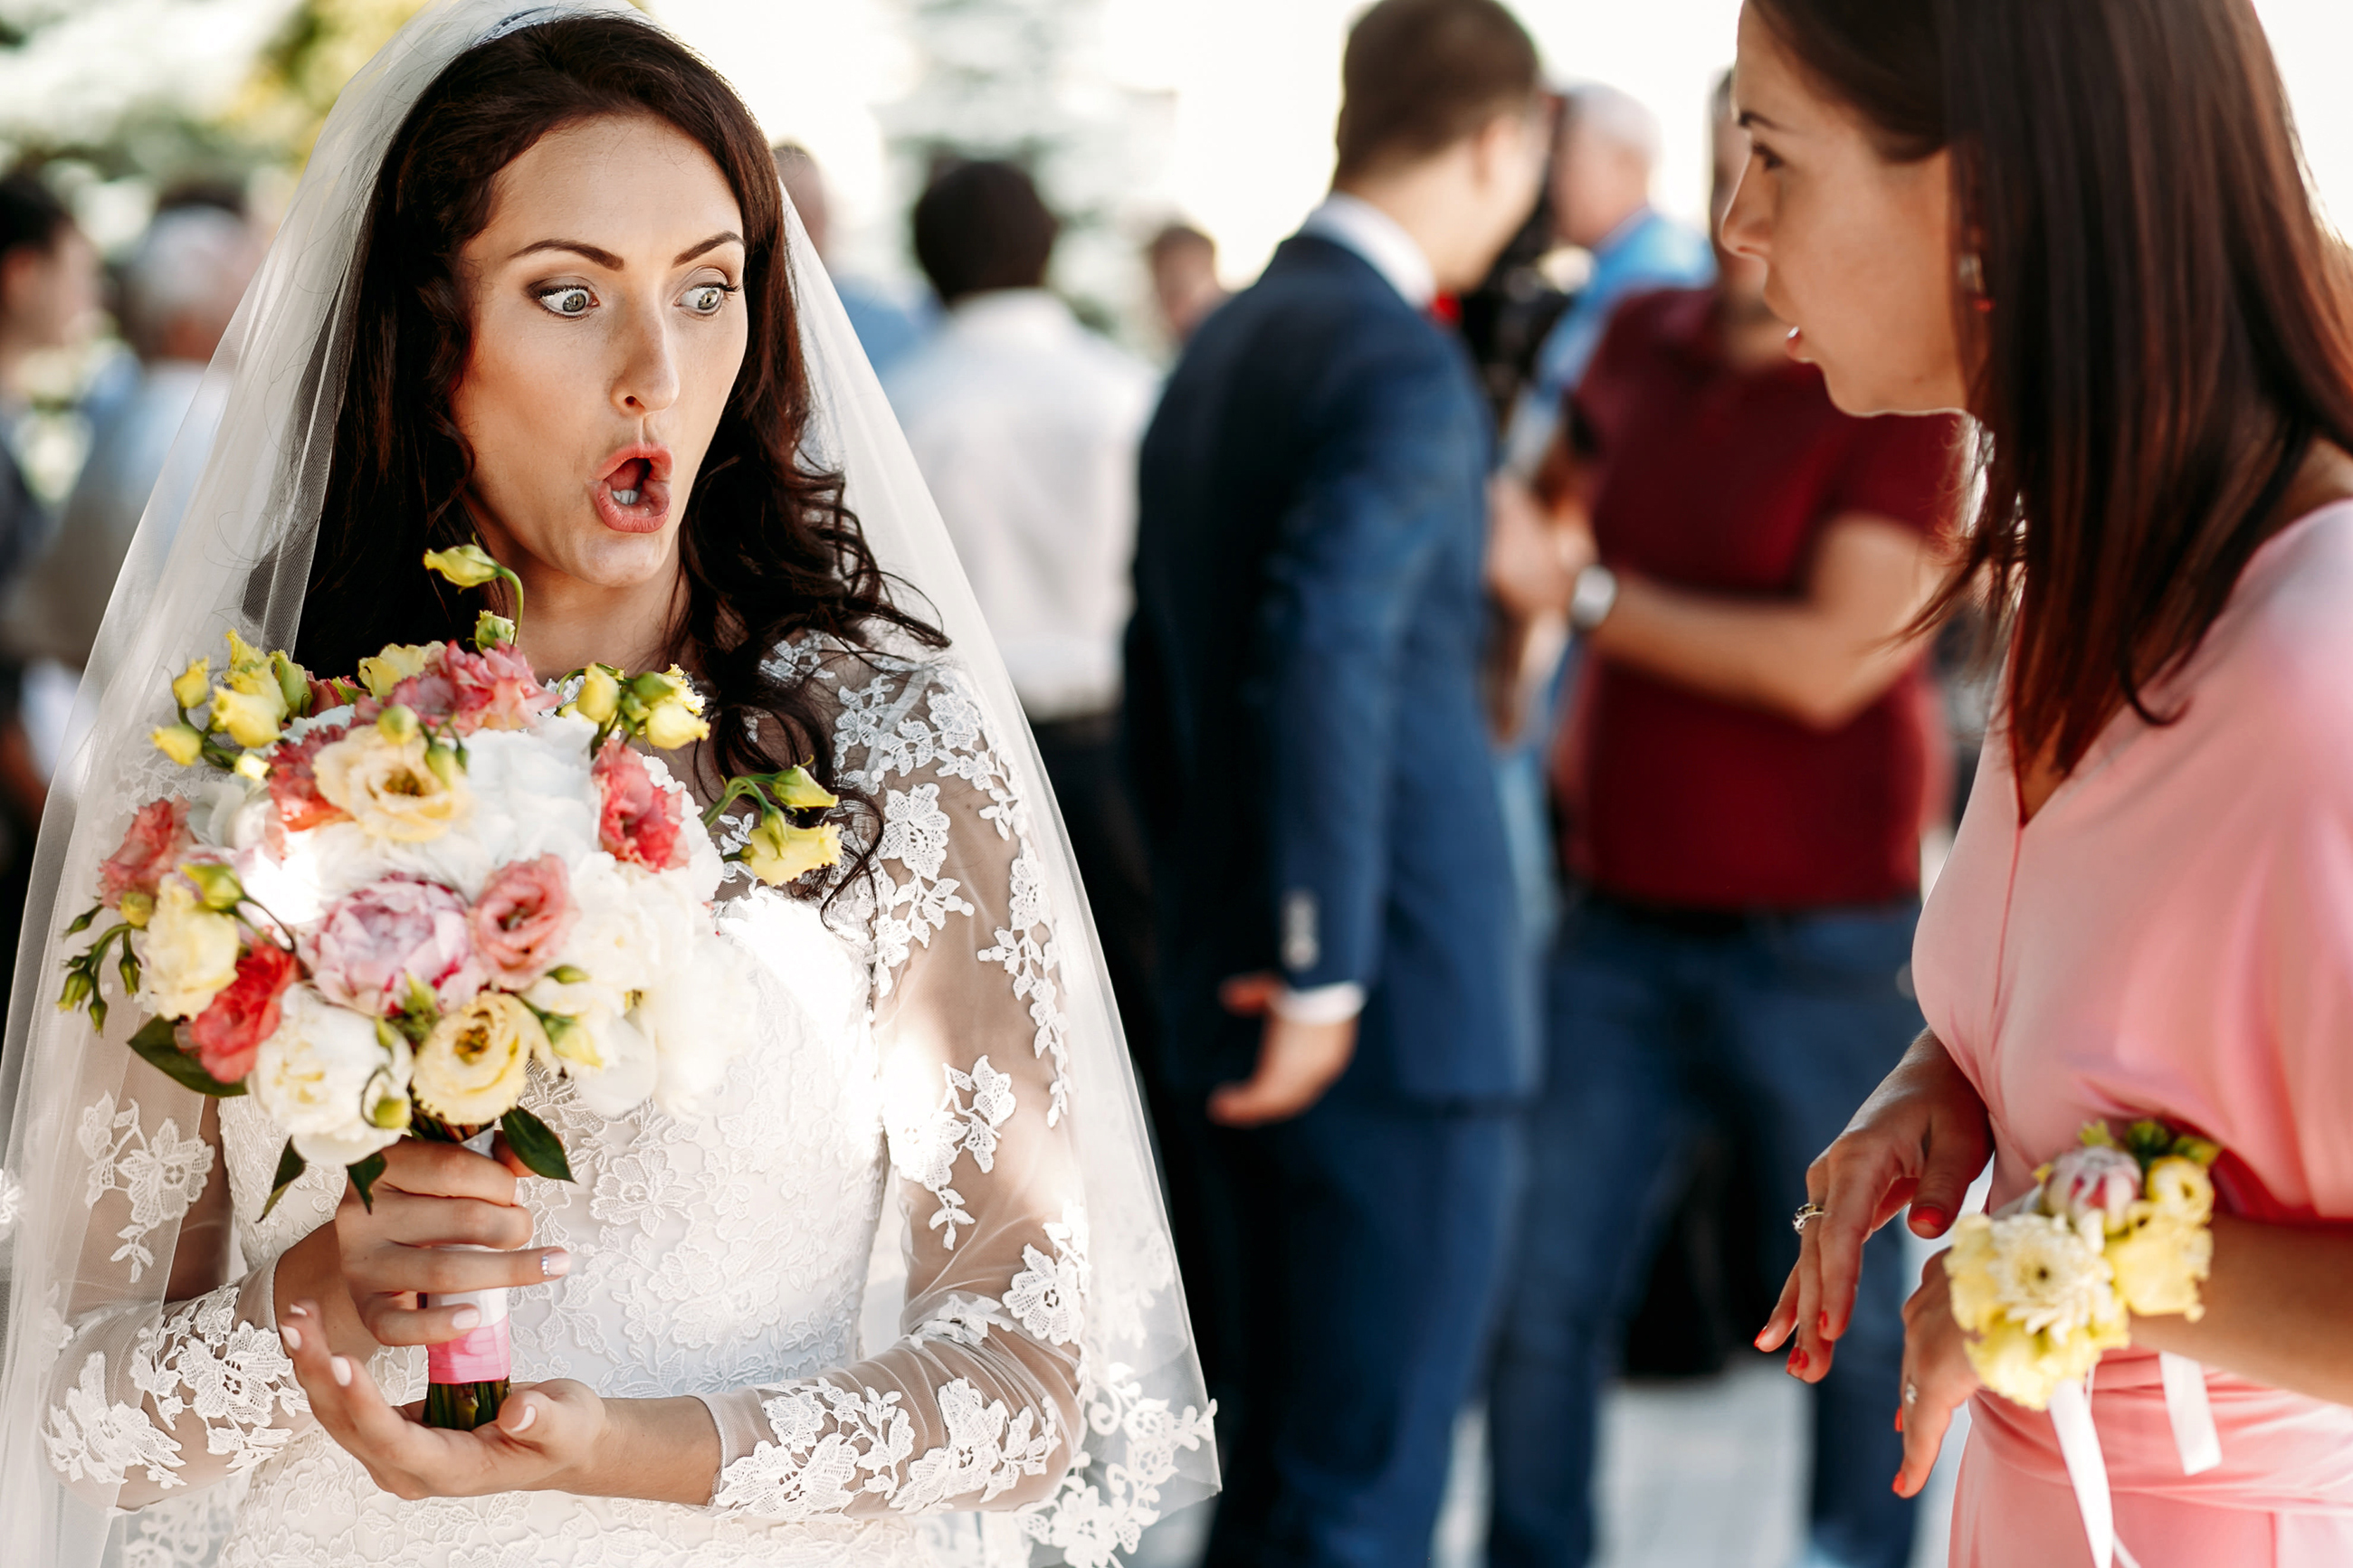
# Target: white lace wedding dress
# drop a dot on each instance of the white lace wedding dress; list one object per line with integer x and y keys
{"x": 910, "y": 1050}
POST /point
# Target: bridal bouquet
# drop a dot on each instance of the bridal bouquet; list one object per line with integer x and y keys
{"x": 2048, "y": 1285}
{"x": 387, "y": 901}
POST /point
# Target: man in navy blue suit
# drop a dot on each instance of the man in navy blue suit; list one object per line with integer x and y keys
{"x": 1341, "y": 975}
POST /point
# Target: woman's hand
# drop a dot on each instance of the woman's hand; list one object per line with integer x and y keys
{"x": 1938, "y": 1377}
{"x": 545, "y": 1433}
{"x": 363, "y": 1273}
{"x": 549, "y": 1437}
{"x": 1920, "y": 1139}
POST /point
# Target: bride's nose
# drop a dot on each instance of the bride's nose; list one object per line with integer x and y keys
{"x": 646, "y": 381}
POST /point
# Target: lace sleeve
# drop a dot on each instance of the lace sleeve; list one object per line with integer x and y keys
{"x": 148, "y": 1402}
{"x": 977, "y": 1405}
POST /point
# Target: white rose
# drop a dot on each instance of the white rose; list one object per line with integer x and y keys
{"x": 532, "y": 794}
{"x": 329, "y": 1082}
{"x": 609, "y": 1061}
{"x": 231, "y": 814}
{"x": 634, "y": 925}
{"x": 187, "y": 954}
{"x": 697, "y": 1016}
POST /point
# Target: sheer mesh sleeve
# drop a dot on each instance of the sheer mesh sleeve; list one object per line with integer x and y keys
{"x": 146, "y": 1402}
{"x": 977, "y": 1405}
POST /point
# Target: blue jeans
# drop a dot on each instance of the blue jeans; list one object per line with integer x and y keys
{"x": 1784, "y": 1022}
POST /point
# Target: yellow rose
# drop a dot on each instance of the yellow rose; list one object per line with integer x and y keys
{"x": 672, "y": 724}
{"x": 471, "y": 1068}
{"x": 181, "y": 742}
{"x": 390, "y": 787}
{"x": 252, "y": 719}
{"x": 381, "y": 671}
{"x": 600, "y": 696}
{"x": 194, "y": 684}
{"x": 778, "y": 851}
{"x": 2158, "y": 1260}
{"x": 188, "y": 953}
{"x": 2181, "y": 1189}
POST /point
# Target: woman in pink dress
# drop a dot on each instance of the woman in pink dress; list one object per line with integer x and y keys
{"x": 2086, "y": 224}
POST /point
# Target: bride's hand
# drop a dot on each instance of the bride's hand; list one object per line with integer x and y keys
{"x": 547, "y": 1435}
{"x": 1938, "y": 1377}
{"x": 1920, "y": 1139}
{"x": 370, "y": 1266}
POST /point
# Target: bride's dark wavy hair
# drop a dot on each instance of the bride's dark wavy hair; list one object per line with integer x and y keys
{"x": 769, "y": 549}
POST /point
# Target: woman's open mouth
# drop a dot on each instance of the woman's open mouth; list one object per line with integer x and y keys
{"x": 632, "y": 496}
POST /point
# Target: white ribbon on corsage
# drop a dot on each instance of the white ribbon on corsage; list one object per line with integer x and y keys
{"x": 2194, "y": 1438}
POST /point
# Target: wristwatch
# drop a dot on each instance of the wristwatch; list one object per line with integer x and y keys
{"x": 1595, "y": 595}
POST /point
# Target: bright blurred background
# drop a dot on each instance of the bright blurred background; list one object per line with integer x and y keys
{"x": 1134, "y": 112}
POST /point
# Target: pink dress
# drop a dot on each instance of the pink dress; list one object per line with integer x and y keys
{"x": 2172, "y": 935}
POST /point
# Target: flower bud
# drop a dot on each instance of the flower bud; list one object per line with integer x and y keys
{"x": 78, "y": 990}
{"x": 181, "y": 742}
{"x": 252, "y": 766}
{"x": 397, "y": 723}
{"x": 137, "y": 910}
{"x": 799, "y": 791}
{"x": 216, "y": 884}
{"x": 776, "y": 852}
{"x": 293, "y": 683}
{"x": 568, "y": 975}
{"x": 243, "y": 655}
{"x": 600, "y": 696}
{"x": 468, "y": 565}
{"x": 251, "y": 719}
{"x": 193, "y": 685}
{"x": 383, "y": 1103}
{"x": 673, "y": 724}
{"x": 492, "y": 631}
{"x": 380, "y": 671}
{"x": 445, "y": 763}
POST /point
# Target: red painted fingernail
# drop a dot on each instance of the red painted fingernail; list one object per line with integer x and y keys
{"x": 1759, "y": 1340}
{"x": 1823, "y": 1324}
{"x": 1797, "y": 1362}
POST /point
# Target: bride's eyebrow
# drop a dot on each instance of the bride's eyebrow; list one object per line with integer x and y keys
{"x": 612, "y": 263}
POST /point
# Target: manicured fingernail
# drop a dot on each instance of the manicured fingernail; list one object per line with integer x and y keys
{"x": 292, "y": 1334}
{"x": 1823, "y": 1324}
{"x": 1759, "y": 1340}
{"x": 1933, "y": 1218}
{"x": 530, "y": 1415}
{"x": 342, "y": 1371}
{"x": 555, "y": 1262}
{"x": 1797, "y": 1362}
{"x": 466, "y": 1317}
{"x": 298, "y": 1310}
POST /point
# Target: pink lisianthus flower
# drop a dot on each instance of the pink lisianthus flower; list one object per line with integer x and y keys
{"x": 293, "y": 784}
{"x": 639, "y": 821}
{"x": 2093, "y": 1180}
{"x": 157, "y": 837}
{"x": 228, "y": 1033}
{"x": 374, "y": 941}
{"x": 431, "y": 696}
{"x": 496, "y": 690}
{"x": 520, "y": 923}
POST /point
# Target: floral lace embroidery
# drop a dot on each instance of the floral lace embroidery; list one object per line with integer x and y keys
{"x": 162, "y": 1175}
{"x": 234, "y": 1377}
{"x": 1087, "y": 1522}
{"x": 926, "y": 1152}
{"x": 1048, "y": 1296}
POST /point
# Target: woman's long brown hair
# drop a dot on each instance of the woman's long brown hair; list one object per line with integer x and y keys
{"x": 2167, "y": 333}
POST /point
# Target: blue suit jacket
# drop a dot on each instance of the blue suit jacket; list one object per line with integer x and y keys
{"x": 1303, "y": 717}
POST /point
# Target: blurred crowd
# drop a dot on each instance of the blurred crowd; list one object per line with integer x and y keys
{"x": 1477, "y": 668}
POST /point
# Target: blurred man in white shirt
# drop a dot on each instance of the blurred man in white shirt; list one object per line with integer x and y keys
{"x": 1026, "y": 426}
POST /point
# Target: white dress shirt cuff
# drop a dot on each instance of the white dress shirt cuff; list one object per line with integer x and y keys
{"x": 1321, "y": 1003}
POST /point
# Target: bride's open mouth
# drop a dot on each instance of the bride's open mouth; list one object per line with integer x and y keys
{"x": 632, "y": 495}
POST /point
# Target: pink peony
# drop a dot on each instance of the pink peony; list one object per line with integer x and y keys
{"x": 374, "y": 941}
{"x": 521, "y": 918}
{"x": 157, "y": 839}
{"x": 640, "y": 822}
{"x": 228, "y": 1033}
{"x": 294, "y": 788}
{"x": 495, "y": 690}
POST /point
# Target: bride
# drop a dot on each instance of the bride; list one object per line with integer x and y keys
{"x": 540, "y": 286}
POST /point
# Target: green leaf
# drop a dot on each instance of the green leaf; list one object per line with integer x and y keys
{"x": 539, "y": 1149}
{"x": 159, "y": 1043}
{"x": 290, "y": 1170}
{"x": 363, "y": 1173}
{"x": 85, "y": 919}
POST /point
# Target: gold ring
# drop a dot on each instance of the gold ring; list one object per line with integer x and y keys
{"x": 1806, "y": 1216}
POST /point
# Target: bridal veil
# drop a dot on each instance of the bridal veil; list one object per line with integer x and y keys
{"x": 91, "y": 1207}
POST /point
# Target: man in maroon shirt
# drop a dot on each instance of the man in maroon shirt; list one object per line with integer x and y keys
{"x": 1753, "y": 754}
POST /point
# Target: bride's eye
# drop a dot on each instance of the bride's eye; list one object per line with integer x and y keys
{"x": 704, "y": 298}
{"x": 566, "y": 299}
